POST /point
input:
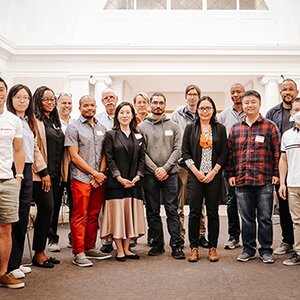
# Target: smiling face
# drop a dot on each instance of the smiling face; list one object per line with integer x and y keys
{"x": 48, "y": 101}
{"x": 141, "y": 105}
{"x": 3, "y": 95}
{"x": 64, "y": 105}
{"x": 20, "y": 102}
{"x": 236, "y": 93}
{"x": 205, "y": 110}
{"x": 125, "y": 115}
{"x": 87, "y": 107}
{"x": 251, "y": 106}
{"x": 109, "y": 100}
{"x": 288, "y": 91}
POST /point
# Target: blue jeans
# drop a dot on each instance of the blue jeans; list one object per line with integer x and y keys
{"x": 256, "y": 201}
{"x": 168, "y": 188}
{"x": 232, "y": 211}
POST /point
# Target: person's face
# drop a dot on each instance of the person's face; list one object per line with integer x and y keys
{"x": 251, "y": 106}
{"x": 109, "y": 100}
{"x": 88, "y": 108}
{"x": 295, "y": 108}
{"x": 288, "y": 92}
{"x": 236, "y": 94}
{"x": 3, "y": 94}
{"x": 125, "y": 115}
{"x": 20, "y": 102}
{"x": 141, "y": 105}
{"x": 64, "y": 105}
{"x": 192, "y": 97}
{"x": 205, "y": 110}
{"x": 158, "y": 105}
{"x": 48, "y": 101}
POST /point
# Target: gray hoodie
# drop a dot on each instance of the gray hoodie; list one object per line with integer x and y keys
{"x": 162, "y": 144}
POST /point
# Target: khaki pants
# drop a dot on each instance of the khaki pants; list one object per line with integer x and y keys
{"x": 182, "y": 176}
{"x": 294, "y": 205}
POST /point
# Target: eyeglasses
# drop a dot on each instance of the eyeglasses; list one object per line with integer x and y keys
{"x": 19, "y": 98}
{"x": 192, "y": 95}
{"x": 160, "y": 103}
{"x": 48, "y": 100}
{"x": 63, "y": 95}
{"x": 208, "y": 108}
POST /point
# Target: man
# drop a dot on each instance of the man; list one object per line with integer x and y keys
{"x": 84, "y": 139}
{"x": 64, "y": 106}
{"x": 228, "y": 118}
{"x": 11, "y": 140}
{"x": 280, "y": 115}
{"x": 162, "y": 142}
{"x": 183, "y": 116}
{"x": 141, "y": 105}
{"x": 106, "y": 118}
{"x": 289, "y": 167}
{"x": 109, "y": 100}
{"x": 253, "y": 170}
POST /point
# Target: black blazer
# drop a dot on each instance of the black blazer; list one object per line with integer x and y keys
{"x": 117, "y": 159}
{"x": 192, "y": 150}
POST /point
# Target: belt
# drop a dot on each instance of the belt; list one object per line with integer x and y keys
{"x": 3, "y": 180}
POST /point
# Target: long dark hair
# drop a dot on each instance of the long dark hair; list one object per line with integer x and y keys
{"x": 39, "y": 112}
{"x": 133, "y": 122}
{"x": 213, "y": 118}
{"x": 29, "y": 112}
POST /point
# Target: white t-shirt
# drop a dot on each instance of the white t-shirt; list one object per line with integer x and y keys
{"x": 290, "y": 144}
{"x": 10, "y": 128}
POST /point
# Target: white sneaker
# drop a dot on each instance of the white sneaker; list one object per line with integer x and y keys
{"x": 17, "y": 273}
{"x": 25, "y": 270}
{"x": 53, "y": 247}
{"x": 81, "y": 260}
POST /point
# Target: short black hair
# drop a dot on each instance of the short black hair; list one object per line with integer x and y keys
{"x": 3, "y": 81}
{"x": 252, "y": 93}
{"x": 158, "y": 94}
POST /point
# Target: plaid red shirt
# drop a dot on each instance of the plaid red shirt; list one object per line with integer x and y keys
{"x": 253, "y": 152}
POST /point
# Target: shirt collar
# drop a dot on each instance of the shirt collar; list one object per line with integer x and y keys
{"x": 259, "y": 119}
{"x": 84, "y": 120}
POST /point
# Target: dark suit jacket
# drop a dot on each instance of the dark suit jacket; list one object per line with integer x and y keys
{"x": 117, "y": 158}
{"x": 192, "y": 150}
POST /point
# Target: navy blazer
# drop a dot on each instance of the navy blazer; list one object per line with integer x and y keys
{"x": 117, "y": 159}
{"x": 192, "y": 150}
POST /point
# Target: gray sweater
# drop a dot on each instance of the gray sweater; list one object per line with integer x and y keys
{"x": 162, "y": 144}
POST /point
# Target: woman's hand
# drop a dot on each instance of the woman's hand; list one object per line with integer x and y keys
{"x": 209, "y": 176}
{"x": 200, "y": 175}
{"x": 46, "y": 183}
{"x": 135, "y": 179}
{"x": 125, "y": 182}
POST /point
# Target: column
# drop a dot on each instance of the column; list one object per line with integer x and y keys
{"x": 272, "y": 93}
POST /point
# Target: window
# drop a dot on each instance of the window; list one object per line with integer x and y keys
{"x": 151, "y": 4}
{"x": 186, "y": 4}
{"x": 221, "y": 4}
{"x": 119, "y": 4}
{"x": 253, "y": 4}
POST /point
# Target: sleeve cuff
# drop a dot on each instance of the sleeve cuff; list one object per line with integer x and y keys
{"x": 189, "y": 162}
{"x": 43, "y": 173}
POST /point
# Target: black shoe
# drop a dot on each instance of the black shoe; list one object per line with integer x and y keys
{"x": 133, "y": 243}
{"x": 121, "y": 258}
{"x": 132, "y": 256}
{"x": 107, "y": 248}
{"x": 154, "y": 251}
{"x": 150, "y": 242}
{"x": 203, "y": 242}
{"x": 177, "y": 253}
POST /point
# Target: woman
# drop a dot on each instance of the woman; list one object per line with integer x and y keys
{"x": 123, "y": 217}
{"x": 50, "y": 141}
{"x": 19, "y": 102}
{"x": 204, "y": 150}
{"x": 141, "y": 103}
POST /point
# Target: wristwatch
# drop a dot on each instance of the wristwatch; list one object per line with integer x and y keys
{"x": 19, "y": 175}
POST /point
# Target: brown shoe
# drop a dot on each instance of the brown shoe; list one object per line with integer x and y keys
{"x": 213, "y": 255}
{"x": 194, "y": 256}
{"x": 9, "y": 281}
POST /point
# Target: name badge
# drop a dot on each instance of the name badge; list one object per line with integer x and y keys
{"x": 259, "y": 139}
{"x": 168, "y": 132}
{"x": 100, "y": 132}
{"x": 138, "y": 136}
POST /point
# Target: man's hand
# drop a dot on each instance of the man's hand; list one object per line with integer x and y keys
{"x": 99, "y": 177}
{"x": 282, "y": 191}
{"x": 275, "y": 180}
{"x": 231, "y": 181}
{"x": 94, "y": 183}
{"x": 161, "y": 174}
{"x": 46, "y": 183}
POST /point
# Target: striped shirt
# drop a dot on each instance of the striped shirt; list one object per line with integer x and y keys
{"x": 253, "y": 152}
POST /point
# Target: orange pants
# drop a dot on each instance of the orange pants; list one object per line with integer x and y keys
{"x": 87, "y": 203}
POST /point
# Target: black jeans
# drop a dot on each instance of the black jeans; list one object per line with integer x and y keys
{"x": 196, "y": 192}
{"x": 286, "y": 222}
{"x": 45, "y": 205}
{"x": 232, "y": 211}
{"x": 169, "y": 191}
{"x": 19, "y": 228}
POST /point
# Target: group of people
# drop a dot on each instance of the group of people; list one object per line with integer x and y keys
{"x": 111, "y": 164}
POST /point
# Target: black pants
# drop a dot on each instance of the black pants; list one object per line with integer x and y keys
{"x": 19, "y": 228}
{"x": 45, "y": 205}
{"x": 196, "y": 192}
{"x": 286, "y": 222}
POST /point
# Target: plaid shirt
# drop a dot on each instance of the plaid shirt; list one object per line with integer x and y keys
{"x": 253, "y": 152}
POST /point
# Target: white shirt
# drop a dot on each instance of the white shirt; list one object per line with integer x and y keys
{"x": 290, "y": 144}
{"x": 10, "y": 128}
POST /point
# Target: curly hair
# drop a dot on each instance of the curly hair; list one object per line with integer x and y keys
{"x": 39, "y": 111}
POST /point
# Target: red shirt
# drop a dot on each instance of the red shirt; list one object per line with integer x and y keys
{"x": 253, "y": 152}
